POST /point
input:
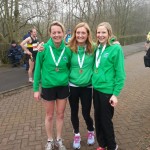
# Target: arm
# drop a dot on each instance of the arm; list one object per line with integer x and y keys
{"x": 9, "y": 52}
{"x": 119, "y": 69}
{"x": 37, "y": 75}
{"x": 23, "y": 43}
{"x": 119, "y": 76}
{"x": 40, "y": 46}
{"x": 147, "y": 45}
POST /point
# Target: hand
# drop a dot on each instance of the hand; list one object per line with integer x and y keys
{"x": 113, "y": 101}
{"x": 37, "y": 96}
{"x": 29, "y": 53}
{"x": 40, "y": 47}
{"x": 116, "y": 42}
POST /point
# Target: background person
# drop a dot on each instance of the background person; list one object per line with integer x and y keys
{"x": 107, "y": 80}
{"x": 15, "y": 54}
{"x": 147, "y": 47}
{"x": 26, "y": 57}
{"x": 52, "y": 70}
{"x": 31, "y": 50}
{"x": 81, "y": 68}
{"x": 147, "y": 43}
{"x": 68, "y": 36}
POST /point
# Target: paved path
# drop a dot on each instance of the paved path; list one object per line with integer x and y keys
{"x": 12, "y": 78}
{"x": 22, "y": 119}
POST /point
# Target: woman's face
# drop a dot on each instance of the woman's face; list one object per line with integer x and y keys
{"x": 81, "y": 35}
{"x": 57, "y": 34}
{"x": 102, "y": 34}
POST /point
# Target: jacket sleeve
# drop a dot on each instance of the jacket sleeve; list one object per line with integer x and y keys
{"x": 120, "y": 74}
{"x": 38, "y": 70}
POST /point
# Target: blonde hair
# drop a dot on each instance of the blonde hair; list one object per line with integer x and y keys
{"x": 109, "y": 29}
{"x": 57, "y": 23}
{"x": 73, "y": 42}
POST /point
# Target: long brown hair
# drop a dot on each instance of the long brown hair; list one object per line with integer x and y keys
{"x": 73, "y": 42}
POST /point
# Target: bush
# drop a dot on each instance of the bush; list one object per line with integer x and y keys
{"x": 3, "y": 52}
{"x": 131, "y": 39}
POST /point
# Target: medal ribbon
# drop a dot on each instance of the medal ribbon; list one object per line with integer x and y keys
{"x": 98, "y": 57}
{"x": 56, "y": 62}
{"x": 80, "y": 61}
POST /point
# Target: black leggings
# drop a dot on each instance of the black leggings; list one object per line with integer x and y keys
{"x": 85, "y": 95}
{"x": 103, "y": 113}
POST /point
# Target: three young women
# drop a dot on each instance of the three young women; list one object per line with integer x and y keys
{"x": 107, "y": 80}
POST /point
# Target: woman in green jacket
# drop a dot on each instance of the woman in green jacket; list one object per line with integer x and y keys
{"x": 81, "y": 69}
{"x": 107, "y": 80}
{"x": 52, "y": 71}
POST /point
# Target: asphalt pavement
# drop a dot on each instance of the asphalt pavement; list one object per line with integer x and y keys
{"x": 12, "y": 78}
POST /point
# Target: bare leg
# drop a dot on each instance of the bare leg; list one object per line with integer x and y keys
{"x": 31, "y": 66}
{"x": 60, "y": 108}
{"x": 49, "y": 107}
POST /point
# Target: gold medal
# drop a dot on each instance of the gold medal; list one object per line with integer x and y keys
{"x": 56, "y": 69}
{"x": 80, "y": 71}
{"x": 60, "y": 57}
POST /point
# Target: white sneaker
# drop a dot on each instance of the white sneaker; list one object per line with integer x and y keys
{"x": 116, "y": 147}
{"x": 76, "y": 142}
{"x": 49, "y": 145}
{"x": 90, "y": 138}
{"x": 30, "y": 80}
{"x": 59, "y": 144}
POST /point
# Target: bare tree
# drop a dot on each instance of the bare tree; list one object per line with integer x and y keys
{"x": 18, "y": 16}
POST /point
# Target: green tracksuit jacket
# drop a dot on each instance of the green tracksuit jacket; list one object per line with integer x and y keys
{"x": 110, "y": 76}
{"x": 45, "y": 68}
{"x": 78, "y": 77}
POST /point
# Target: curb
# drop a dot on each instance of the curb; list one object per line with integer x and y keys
{"x": 14, "y": 91}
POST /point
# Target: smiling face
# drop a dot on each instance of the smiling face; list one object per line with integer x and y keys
{"x": 56, "y": 34}
{"x": 81, "y": 35}
{"x": 102, "y": 35}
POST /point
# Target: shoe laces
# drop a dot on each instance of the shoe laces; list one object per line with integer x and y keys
{"x": 90, "y": 135}
{"x": 59, "y": 143}
{"x": 76, "y": 139}
{"x": 49, "y": 145}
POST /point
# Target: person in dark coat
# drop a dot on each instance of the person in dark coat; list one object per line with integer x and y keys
{"x": 15, "y": 54}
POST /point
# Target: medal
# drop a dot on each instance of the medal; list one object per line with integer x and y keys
{"x": 81, "y": 61}
{"x": 98, "y": 57}
{"x": 80, "y": 71}
{"x": 56, "y": 69}
{"x": 56, "y": 62}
